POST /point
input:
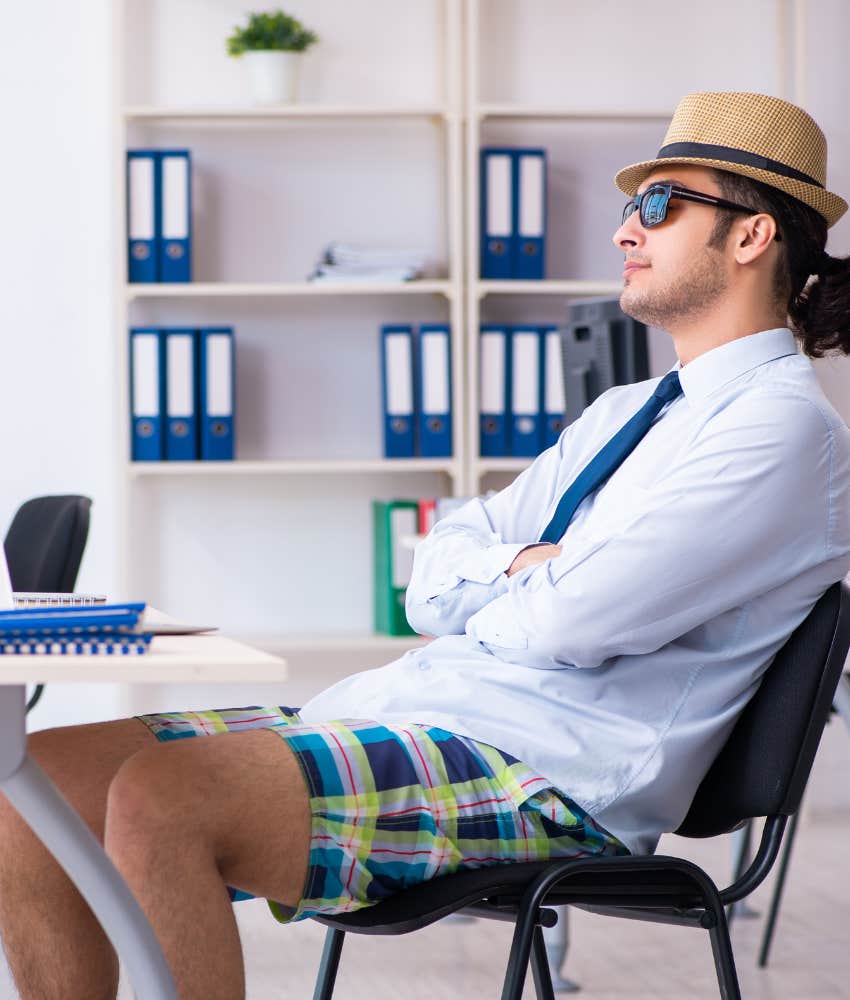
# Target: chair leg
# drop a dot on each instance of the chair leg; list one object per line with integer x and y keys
{"x": 526, "y": 923}
{"x": 326, "y": 979}
{"x": 721, "y": 947}
{"x": 773, "y": 912}
{"x": 540, "y": 966}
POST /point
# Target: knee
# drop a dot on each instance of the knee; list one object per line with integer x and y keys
{"x": 151, "y": 798}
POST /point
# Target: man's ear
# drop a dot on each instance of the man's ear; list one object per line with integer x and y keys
{"x": 754, "y": 236}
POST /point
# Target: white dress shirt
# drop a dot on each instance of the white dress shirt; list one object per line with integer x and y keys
{"x": 618, "y": 668}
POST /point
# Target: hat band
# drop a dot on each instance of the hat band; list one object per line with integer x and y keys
{"x": 707, "y": 151}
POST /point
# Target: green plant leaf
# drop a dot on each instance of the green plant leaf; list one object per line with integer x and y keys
{"x": 273, "y": 31}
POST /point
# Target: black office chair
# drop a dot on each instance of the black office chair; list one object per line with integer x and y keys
{"x": 44, "y": 548}
{"x": 761, "y": 772}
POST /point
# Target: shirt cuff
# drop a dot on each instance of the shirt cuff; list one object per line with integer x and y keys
{"x": 495, "y": 625}
{"x": 487, "y": 565}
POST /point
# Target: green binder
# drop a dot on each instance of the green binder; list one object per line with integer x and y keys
{"x": 393, "y": 521}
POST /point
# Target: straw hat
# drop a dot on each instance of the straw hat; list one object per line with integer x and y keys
{"x": 751, "y": 134}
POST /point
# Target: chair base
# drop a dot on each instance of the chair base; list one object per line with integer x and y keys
{"x": 662, "y": 889}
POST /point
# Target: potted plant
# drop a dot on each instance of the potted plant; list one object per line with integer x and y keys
{"x": 271, "y": 45}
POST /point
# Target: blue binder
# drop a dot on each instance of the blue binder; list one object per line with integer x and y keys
{"x": 397, "y": 391}
{"x": 181, "y": 409}
{"x": 146, "y": 393}
{"x": 497, "y": 212}
{"x": 494, "y": 374}
{"x": 554, "y": 399}
{"x": 434, "y": 395}
{"x": 525, "y": 433}
{"x": 175, "y": 245}
{"x": 217, "y": 393}
{"x": 530, "y": 221}
{"x": 110, "y": 629}
{"x": 143, "y": 195}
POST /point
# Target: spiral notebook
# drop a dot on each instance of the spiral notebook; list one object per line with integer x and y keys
{"x": 111, "y": 629}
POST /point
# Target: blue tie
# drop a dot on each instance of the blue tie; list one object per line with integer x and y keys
{"x": 610, "y": 457}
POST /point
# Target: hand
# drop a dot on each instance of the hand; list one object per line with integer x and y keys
{"x": 533, "y": 554}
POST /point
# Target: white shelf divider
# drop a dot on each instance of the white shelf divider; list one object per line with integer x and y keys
{"x": 275, "y": 289}
{"x": 532, "y": 111}
{"x": 279, "y": 113}
{"x": 293, "y": 467}
{"x": 548, "y": 287}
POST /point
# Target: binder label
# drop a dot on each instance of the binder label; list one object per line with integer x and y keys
{"x": 435, "y": 371}
{"x": 219, "y": 381}
{"x": 492, "y": 375}
{"x": 181, "y": 375}
{"x": 399, "y": 362}
{"x": 403, "y": 522}
{"x": 525, "y": 397}
{"x": 141, "y": 222}
{"x": 499, "y": 195}
{"x": 146, "y": 375}
{"x": 554, "y": 390}
{"x": 531, "y": 202}
{"x": 175, "y": 201}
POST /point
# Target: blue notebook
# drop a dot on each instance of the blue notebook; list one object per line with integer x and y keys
{"x": 110, "y": 629}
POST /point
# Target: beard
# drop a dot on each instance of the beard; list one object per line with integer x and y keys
{"x": 693, "y": 294}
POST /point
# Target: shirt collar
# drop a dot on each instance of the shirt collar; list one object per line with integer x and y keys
{"x": 716, "y": 367}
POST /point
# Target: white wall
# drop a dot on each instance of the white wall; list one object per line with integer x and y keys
{"x": 58, "y": 382}
{"x": 58, "y": 375}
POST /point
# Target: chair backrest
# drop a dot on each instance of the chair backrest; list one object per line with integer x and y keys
{"x": 764, "y": 766}
{"x": 45, "y": 542}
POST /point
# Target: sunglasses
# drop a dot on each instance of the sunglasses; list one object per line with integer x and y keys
{"x": 652, "y": 203}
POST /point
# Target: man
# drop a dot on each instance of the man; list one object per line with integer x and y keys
{"x": 601, "y": 622}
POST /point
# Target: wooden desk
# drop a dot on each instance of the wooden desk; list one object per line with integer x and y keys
{"x": 176, "y": 659}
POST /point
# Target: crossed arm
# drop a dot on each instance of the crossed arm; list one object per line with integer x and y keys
{"x": 742, "y": 511}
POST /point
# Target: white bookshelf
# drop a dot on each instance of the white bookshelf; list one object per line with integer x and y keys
{"x": 161, "y": 497}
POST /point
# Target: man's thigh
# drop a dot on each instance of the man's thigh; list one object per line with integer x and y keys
{"x": 242, "y": 795}
{"x": 82, "y": 761}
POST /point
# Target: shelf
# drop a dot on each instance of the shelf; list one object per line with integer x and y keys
{"x": 346, "y": 467}
{"x": 279, "y": 113}
{"x": 486, "y": 465}
{"x": 271, "y": 289}
{"x": 548, "y": 287}
{"x": 521, "y": 111}
{"x": 286, "y": 645}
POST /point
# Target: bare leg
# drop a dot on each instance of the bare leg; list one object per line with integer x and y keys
{"x": 54, "y": 945}
{"x": 185, "y": 819}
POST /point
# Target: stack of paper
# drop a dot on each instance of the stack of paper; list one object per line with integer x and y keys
{"x": 343, "y": 262}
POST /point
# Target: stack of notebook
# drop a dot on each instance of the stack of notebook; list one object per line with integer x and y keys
{"x": 111, "y": 629}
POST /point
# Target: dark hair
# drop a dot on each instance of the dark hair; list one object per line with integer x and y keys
{"x": 818, "y": 310}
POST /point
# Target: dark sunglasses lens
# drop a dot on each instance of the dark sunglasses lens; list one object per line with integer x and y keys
{"x": 628, "y": 210}
{"x": 653, "y": 206}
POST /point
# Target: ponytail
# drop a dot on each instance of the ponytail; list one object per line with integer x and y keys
{"x": 820, "y": 313}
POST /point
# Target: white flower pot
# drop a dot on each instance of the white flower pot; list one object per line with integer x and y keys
{"x": 272, "y": 76}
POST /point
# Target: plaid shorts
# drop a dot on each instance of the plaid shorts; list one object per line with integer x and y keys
{"x": 395, "y": 805}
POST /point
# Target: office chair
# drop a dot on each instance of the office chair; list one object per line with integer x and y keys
{"x": 44, "y": 548}
{"x": 761, "y": 772}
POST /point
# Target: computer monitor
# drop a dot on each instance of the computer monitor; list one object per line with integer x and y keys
{"x": 601, "y": 347}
